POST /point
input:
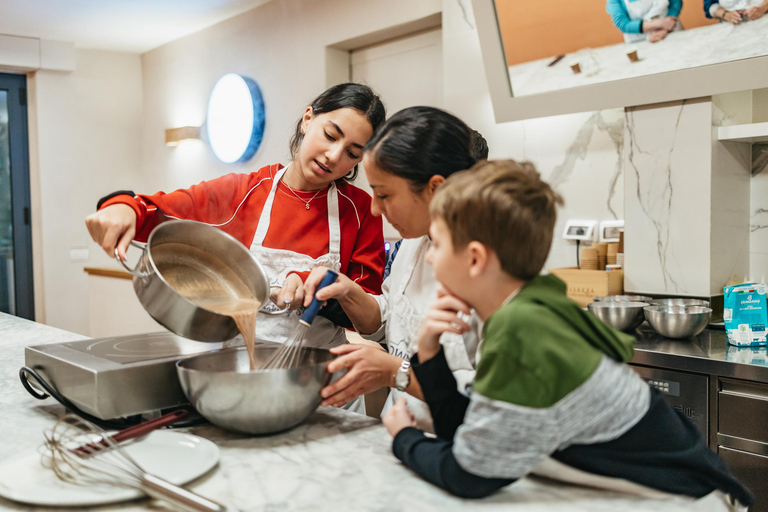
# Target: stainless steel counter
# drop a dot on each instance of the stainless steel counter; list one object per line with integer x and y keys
{"x": 708, "y": 353}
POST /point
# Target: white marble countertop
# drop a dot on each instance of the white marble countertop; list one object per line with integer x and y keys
{"x": 337, "y": 460}
{"x": 700, "y": 46}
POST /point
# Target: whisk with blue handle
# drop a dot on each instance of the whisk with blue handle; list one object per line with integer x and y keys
{"x": 289, "y": 355}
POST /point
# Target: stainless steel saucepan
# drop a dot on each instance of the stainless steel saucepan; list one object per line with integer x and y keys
{"x": 183, "y": 251}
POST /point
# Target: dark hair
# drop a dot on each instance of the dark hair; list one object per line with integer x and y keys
{"x": 420, "y": 142}
{"x": 478, "y": 146}
{"x": 346, "y": 95}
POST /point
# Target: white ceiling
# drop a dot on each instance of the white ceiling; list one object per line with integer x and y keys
{"x": 120, "y": 25}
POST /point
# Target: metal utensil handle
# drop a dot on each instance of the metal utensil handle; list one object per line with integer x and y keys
{"x": 311, "y": 312}
{"x": 182, "y": 498}
{"x": 133, "y": 272}
{"x": 274, "y": 311}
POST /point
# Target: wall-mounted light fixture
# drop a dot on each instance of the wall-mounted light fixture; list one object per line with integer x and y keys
{"x": 173, "y": 136}
{"x": 235, "y": 120}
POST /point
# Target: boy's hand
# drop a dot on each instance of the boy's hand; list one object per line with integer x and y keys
{"x": 445, "y": 315}
{"x": 398, "y": 417}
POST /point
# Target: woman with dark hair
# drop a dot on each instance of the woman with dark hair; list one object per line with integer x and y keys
{"x": 405, "y": 161}
{"x": 292, "y": 218}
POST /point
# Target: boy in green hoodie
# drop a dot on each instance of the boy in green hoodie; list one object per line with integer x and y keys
{"x": 552, "y": 394}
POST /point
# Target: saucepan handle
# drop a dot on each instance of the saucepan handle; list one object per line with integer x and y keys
{"x": 270, "y": 311}
{"x": 135, "y": 271}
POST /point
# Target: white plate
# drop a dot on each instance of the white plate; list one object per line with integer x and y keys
{"x": 173, "y": 456}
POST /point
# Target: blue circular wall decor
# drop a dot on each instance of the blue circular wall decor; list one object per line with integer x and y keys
{"x": 235, "y": 121}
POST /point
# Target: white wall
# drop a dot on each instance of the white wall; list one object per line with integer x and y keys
{"x": 88, "y": 138}
{"x": 579, "y": 154}
{"x": 282, "y": 45}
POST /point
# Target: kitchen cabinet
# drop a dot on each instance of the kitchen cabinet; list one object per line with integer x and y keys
{"x": 722, "y": 389}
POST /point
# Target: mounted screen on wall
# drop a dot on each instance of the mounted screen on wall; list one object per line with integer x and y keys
{"x": 564, "y": 57}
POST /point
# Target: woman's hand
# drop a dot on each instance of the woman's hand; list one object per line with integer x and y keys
{"x": 113, "y": 226}
{"x": 337, "y": 290}
{"x": 757, "y": 12}
{"x": 398, "y": 417}
{"x": 291, "y": 294}
{"x": 444, "y": 315}
{"x": 368, "y": 369}
{"x": 657, "y": 35}
{"x": 732, "y": 17}
{"x": 669, "y": 23}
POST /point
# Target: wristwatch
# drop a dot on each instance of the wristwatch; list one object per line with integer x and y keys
{"x": 403, "y": 376}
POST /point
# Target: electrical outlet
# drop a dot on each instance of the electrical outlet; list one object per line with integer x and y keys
{"x": 610, "y": 229}
{"x": 583, "y": 230}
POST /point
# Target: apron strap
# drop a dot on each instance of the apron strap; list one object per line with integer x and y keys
{"x": 266, "y": 212}
{"x": 334, "y": 221}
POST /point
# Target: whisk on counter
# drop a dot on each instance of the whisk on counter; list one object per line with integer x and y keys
{"x": 72, "y": 454}
{"x": 289, "y": 354}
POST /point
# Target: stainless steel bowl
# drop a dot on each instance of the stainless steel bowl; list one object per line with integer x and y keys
{"x": 623, "y": 298}
{"x": 679, "y": 302}
{"x": 678, "y": 321}
{"x": 624, "y": 316}
{"x": 222, "y": 389}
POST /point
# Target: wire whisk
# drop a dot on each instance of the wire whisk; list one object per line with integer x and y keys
{"x": 74, "y": 449}
{"x": 289, "y": 354}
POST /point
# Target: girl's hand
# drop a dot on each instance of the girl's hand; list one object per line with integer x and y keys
{"x": 337, "y": 290}
{"x": 444, "y": 315}
{"x": 398, "y": 417}
{"x": 368, "y": 369}
{"x": 113, "y": 226}
{"x": 292, "y": 293}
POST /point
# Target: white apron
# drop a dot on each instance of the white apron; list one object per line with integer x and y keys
{"x": 738, "y": 5}
{"x": 644, "y": 10}
{"x": 403, "y": 325}
{"x": 278, "y": 262}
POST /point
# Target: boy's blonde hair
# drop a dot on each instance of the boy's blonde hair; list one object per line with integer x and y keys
{"x": 504, "y": 205}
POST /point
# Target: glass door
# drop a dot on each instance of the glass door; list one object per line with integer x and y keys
{"x": 16, "y": 285}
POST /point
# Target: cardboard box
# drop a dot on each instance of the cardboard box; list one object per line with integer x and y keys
{"x": 585, "y": 285}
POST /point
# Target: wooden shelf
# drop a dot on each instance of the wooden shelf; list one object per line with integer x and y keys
{"x": 755, "y": 132}
{"x": 107, "y": 272}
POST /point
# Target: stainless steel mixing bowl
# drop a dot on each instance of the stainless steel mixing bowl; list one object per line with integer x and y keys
{"x": 678, "y": 321}
{"x": 679, "y": 302}
{"x": 221, "y": 387}
{"x": 624, "y": 316}
{"x": 623, "y": 298}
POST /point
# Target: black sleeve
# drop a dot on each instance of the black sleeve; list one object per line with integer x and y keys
{"x": 446, "y": 404}
{"x": 335, "y": 313}
{"x": 433, "y": 460}
{"x": 114, "y": 194}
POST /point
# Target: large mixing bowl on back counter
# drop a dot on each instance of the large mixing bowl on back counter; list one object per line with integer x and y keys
{"x": 222, "y": 268}
{"x": 221, "y": 387}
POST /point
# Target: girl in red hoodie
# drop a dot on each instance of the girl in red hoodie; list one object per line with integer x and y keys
{"x": 293, "y": 218}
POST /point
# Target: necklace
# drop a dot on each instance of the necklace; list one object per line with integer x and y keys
{"x": 306, "y": 203}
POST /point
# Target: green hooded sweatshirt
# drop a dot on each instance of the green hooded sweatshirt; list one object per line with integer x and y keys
{"x": 541, "y": 346}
